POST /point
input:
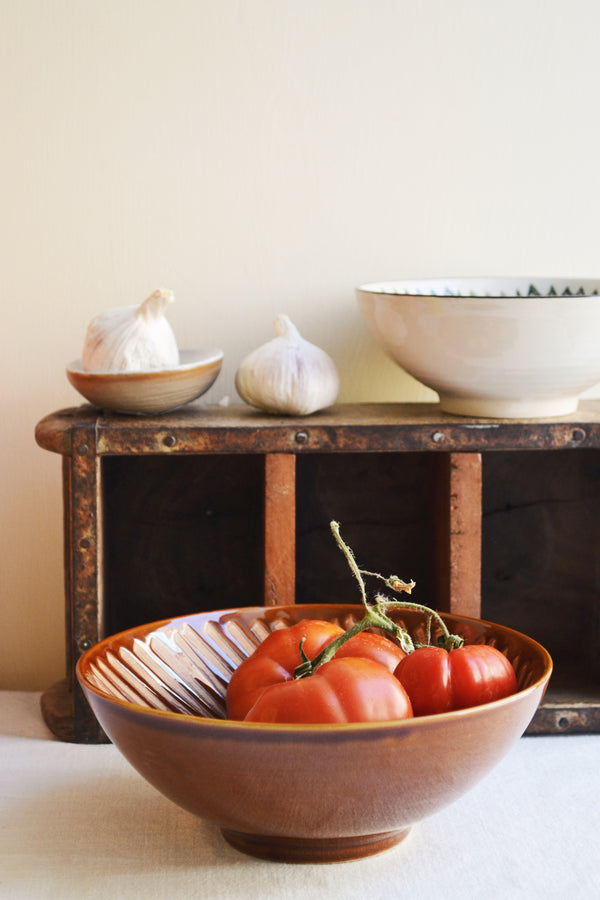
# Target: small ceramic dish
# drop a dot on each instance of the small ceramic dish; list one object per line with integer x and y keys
{"x": 151, "y": 392}
{"x": 299, "y": 793}
{"x": 500, "y": 347}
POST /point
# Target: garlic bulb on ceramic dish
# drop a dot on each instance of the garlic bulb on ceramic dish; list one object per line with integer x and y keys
{"x": 132, "y": 338}
{"x": 288, "y": 375}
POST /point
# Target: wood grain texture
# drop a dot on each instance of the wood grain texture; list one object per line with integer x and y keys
{"x": 280, "y": 529}
{"x": 458, "y": 533}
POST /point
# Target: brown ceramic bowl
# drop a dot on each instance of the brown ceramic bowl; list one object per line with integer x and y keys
{"x": 306, "y": 793}
{"x": 151, "y": 392}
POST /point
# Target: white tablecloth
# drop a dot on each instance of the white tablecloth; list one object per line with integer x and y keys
{"x": 78, "y": 822}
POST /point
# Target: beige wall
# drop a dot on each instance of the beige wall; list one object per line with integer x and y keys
{"x": 263, "y": 156}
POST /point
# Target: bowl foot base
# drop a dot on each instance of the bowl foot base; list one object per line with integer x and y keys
{"x": 313, "y": 850}
{"x": 508, "y": 409}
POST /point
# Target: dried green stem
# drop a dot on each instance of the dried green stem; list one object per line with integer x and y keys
{"x": 376, "y": 615}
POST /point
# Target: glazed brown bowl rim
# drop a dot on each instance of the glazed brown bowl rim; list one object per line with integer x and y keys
{"x": 274, "y": 729}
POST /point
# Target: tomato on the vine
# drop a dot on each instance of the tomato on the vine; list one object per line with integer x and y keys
{"x": 316, "y": 672}
{"x": 356, "y": 684}
{"x": 351, "y": 689}
{"x": 438, "y": 680}
{"x": 372, "y": 646}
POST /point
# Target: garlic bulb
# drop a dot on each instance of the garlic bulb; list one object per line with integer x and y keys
{"x": 131, "y": 338}
{"x": 288, "y": 375}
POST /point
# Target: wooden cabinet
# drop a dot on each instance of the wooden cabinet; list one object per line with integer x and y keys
{"x": 211, "y": 508}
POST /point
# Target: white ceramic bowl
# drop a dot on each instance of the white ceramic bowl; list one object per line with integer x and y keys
{"x": 150, "y": 392}
{"x": 502, "y": 348}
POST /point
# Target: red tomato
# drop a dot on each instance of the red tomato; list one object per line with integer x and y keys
{"x": 352, "y": 689}
{"x": 372, "y": 646}
{"x": 275, "y": 660}
{"x": 437, "y": 680}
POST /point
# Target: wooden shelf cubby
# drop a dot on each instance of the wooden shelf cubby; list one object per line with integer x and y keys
{"x": 217, "y": 507}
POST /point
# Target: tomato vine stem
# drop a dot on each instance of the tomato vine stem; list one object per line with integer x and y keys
{"x": 376, "y": 615}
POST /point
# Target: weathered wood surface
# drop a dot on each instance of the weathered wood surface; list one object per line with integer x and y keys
{"x": 84, "y": 548}
{"x": 457, "y": 522}
{"x": 346, "y": 428}
{"x": 280, "y": 529}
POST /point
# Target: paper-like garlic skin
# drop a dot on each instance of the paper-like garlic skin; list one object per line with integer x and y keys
{"x": 288, "y": 375}
{"x": 132, "y": 338}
